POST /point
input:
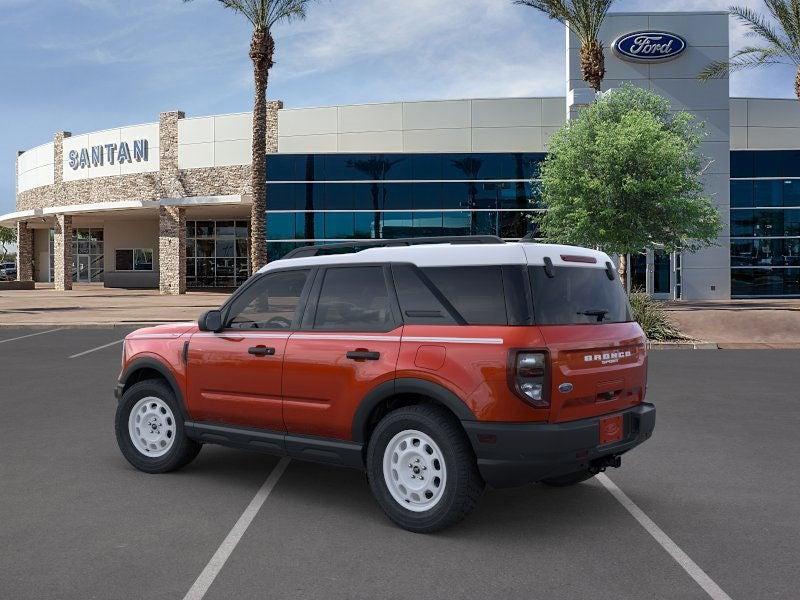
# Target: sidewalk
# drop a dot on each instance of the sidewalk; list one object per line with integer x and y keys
{"x": 729, "y": 325}
{"x": 740, "y": 323}
{"x": 93, "y": 305}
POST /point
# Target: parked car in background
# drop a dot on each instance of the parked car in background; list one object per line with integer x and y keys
{"x": 437, "y": 368}
{"x": 8, "y": 271}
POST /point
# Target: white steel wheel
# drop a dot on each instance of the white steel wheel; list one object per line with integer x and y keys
{"x": 151, "y": 426}
{"x": 414, "y": 470}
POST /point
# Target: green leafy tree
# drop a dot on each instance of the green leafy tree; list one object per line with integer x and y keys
{"x": 625, "y": 176}
{"x": 263, "y": 15}
{"x": 7, "y": 237}
{"x": 778, "y": 40}
{"x": 584, "y": 19}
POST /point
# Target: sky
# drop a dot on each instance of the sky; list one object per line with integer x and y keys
{"x": 86, "y": 65}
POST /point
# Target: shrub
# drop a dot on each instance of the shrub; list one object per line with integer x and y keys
{"x": 653, "y": 319}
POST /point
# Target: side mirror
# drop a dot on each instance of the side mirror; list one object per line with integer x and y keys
{"x": 210, "y": 321}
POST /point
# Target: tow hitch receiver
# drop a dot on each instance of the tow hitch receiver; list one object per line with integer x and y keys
{"x": 601, "y": 464}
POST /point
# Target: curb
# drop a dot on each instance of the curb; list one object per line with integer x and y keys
{"x": 107, "y": 325}
{"x": 682, "y": 346}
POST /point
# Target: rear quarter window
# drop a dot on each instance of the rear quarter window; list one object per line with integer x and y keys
{"x": 577, "y": 295}
{"x": 475, "y": 292}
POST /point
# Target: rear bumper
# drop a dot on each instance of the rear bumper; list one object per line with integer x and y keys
{"x": 527, "y": 452}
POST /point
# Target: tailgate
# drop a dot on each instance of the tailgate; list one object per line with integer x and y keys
{"x": 595, "y": 369}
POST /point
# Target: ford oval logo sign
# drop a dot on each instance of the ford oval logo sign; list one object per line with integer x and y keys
{"x": 649, "y": 46}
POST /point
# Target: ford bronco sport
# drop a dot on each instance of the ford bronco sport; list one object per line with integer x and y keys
{"x": 435, "y": 367}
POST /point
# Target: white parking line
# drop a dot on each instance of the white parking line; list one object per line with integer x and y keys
{"x": 214, "y": 566}
{"x": 22, "y": 337}
{"x": 85, "y": 352}
{"x": 688, "y": 565}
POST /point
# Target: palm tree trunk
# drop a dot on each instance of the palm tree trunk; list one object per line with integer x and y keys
{"x": 797, "y": 84}
{"x": 593, "y": 64}
{"x": 623, "y": 270}
{"x": 261, "y": 51}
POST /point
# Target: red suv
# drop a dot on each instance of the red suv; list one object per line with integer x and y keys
{"x": 435, "y": 367}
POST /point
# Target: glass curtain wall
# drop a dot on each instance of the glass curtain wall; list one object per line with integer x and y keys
{"x": 765, "y": 223}
{"x": 329, "y": 198}
{"x": 217, "y": 253}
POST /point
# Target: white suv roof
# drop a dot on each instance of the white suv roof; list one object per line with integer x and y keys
{"x": 453, "y": 255}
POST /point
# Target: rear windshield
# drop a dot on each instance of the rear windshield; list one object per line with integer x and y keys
{"x": 577, "y": 295}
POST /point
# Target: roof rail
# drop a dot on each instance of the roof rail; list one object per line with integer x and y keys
{"x": 358, "y": 245}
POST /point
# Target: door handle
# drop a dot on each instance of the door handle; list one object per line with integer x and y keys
{"x": 363, "y": 355}
{"x": 261, "y": 351}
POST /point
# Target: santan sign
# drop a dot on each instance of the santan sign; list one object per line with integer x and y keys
{"x": 97, "y": 156}
{"x": 649, "y": 46}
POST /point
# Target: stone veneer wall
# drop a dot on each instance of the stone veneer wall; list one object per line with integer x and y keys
{"x": 169, "y": 182}
{"x": 24, "y": 252}
{"x": 171, "y": 250}
{"x": 62, "y": 251}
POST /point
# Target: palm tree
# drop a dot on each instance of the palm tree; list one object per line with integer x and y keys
{"x": 584, "y": 19}
{"x": 780, "y": 42}
{"x": 262, "y": 15}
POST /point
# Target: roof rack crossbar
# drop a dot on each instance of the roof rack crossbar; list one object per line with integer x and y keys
{"x": 358, "y": 245}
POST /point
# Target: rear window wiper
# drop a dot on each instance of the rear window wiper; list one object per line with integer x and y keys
{"x": 599, "y": 313}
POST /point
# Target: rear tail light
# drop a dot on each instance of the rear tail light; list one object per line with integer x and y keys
{"x": 528, "y": 377}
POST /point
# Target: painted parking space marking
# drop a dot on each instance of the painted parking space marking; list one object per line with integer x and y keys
{"x": 687, "y": 564}
{"x": 85, "y": 352}
{"x": 22, "y": 337}
{"x": 214, "y": 566}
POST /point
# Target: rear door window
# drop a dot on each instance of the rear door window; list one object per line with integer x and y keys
{"x": 577, "y": 295}
{"x": 354, "y": 299}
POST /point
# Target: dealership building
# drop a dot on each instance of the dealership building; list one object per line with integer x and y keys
{"x": 167, "y": 204}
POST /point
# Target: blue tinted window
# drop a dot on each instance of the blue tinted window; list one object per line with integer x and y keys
{"x": 791, "y": 222}
{"x": 397, "y": 196}
{"x": 455, "y": 195}
{"x": 309, "y": 225}
{"x": 765, "y": 282}
{"x": 367, "y": 196}
{"x": 768, "y": 163}
{"x": 280, "y": 226}
{"x": 339, "y": 225}
{"x": 426, "y": 195}
{"x": 281, "y": 167}
{"x": 485, "y": 223}
{"x": 790, "y": 165}
{"x": 310, "y": 167}
{"x": 398, "y": 225}
{"x": 484, "y": 195}
{"x": 457, "y": 223}
{"x": 282, "y": 196}
{"x": 365, "y": 225}
{"x": 427, "y": 224}
{"x": 768, "y": 193}
{"x": 742, "y": 223}
{"x": 742, "y": 164}
{"x": 741, "y": 194}
{"x": 791, "y": 192}
{"x": 426, "y": 166}
{"x": 339, "y": 196}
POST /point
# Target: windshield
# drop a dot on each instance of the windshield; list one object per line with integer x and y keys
{"x": 577, "y": 295}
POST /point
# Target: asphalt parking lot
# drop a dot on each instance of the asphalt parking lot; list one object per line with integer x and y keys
{"x": 719, "y": 477}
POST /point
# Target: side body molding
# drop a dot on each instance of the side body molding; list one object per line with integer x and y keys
{"x": 405, "y": 385}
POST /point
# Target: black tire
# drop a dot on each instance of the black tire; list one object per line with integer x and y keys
{"x": 463, "y": 484}
{"x": 568, "y": 479}
{"x": 183, "y": 449}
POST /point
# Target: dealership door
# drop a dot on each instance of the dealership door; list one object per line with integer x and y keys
{"x": 655, "y": 272}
